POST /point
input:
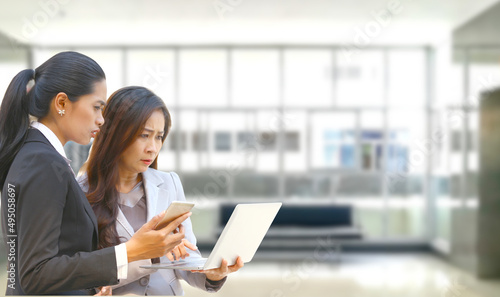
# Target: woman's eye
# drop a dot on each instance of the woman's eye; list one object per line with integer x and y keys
{"x": 97, "y": 107}
{"x": 144, "y": 135}
{"x": 159, "y": 137}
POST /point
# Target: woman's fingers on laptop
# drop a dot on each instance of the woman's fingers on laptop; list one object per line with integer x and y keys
{"x": 189, "y": 245}
{"x": 177, "y": 252}
{"x": 182, "y": 249}
{"x": 170, "y": 257}
{"x": 180, "y": 252}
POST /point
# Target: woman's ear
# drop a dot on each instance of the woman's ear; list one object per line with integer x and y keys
{"x": 61, "y": 103}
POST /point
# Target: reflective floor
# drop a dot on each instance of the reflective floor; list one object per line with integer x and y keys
{"x": 358, "y": 275}
{"x": 384, "y": 275}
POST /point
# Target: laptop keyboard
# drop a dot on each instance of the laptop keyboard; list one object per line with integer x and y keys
{"x": 186, "y": 263}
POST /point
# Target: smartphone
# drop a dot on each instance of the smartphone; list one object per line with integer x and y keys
{"x": 174, "y": 210}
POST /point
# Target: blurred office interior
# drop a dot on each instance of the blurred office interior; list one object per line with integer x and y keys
{"x": 374, "y": 105}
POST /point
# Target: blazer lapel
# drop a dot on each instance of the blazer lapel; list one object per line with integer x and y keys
{"x": 122, "y": 220}
{"x": 151, "y": 187}
{"x": 86, "y": 203}
{"x": 88, "y": 209}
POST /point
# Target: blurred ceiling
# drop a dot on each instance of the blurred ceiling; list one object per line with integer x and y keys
{"x": 66, "y": 22}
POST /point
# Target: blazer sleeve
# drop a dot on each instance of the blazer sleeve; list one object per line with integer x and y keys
{"x": 197, "y": 280}
{"x": 135, "y": 272}
{"x": 42, "y": 269}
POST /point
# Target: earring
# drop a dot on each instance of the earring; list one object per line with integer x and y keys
{"x": 61, "y": 112}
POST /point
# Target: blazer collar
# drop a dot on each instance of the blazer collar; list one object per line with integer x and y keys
{"x": 122, "y": 220}
{"x": 51, "y": 137}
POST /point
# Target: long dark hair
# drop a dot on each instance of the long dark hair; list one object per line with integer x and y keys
{"x": 125, "y": 116}
{"x": 69, "y": 72}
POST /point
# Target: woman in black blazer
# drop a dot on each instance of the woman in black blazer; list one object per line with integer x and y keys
{"x": 50, "y": 230}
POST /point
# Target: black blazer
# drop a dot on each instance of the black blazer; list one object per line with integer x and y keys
{"x": 49, "y": 227}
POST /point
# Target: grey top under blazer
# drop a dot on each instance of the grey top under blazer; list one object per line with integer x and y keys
{"x": 49, "y": 227}
{"x": 161, "y": 189}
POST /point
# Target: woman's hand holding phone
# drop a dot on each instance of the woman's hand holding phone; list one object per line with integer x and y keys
{"x": 149, "y": 242}
{"x": 174, "y": 210}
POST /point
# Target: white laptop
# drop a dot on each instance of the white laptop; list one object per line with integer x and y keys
{"x": 241, "y": 236}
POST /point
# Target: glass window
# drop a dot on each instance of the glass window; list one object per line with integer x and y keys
{"x": 308, "y": 78}
{"x": 484, "y": 73}
{"x": 250, "y": 185}
{"x": 409, "y": 150}
{"x": 372, "y": 140}
{"x": 246, "y": 140}
{"x": 42, "y": 55}
{"x": 297, "y": 145}
{"x": 267, "y": 155}
{"x": 111, "y": 61}
{"x": 448, "y": 78}
{"x": 407, "y": 73}
{"x": 222, "y": 141}
{"x": 11, "y": 63}
{"x": 202, "y": 78}
{"x": 200, "y": 141}
{"x": 360, "y": 81}
{"x": 347, "y": 154}
{"x": 332, "y": 139}
{"x": 367, "y": 156}
{"x": 456, "y": 141}
{"x": 153, "y": 69}
{"x": 331, "y": 147}
{"x": 255, "y": 77}
{"x": 397, "y": 154}
{"x": 292, "y": 141}
{"x": 268, "y": 141}
{"x": 176, "y": 140}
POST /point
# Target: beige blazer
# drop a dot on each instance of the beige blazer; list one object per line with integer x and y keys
{"x": 161, "y": 189}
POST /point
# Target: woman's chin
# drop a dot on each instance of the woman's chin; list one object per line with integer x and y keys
{"x": 143, "y": 169}
{"x": 83, "y": 140}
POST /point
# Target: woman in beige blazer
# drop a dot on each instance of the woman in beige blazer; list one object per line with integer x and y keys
{"x": 125, "y": 191}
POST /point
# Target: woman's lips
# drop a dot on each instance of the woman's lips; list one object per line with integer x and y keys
{"x": 147, "y": 161}
{"x": 94, "y": 133}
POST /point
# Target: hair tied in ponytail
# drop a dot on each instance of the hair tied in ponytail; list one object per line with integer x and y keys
{"x": 31, "y": 82}
{"x": 30, "y": 85}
